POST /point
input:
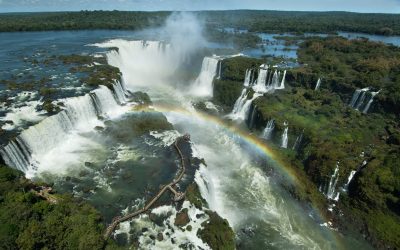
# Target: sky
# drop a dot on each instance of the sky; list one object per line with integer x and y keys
{"x": 376, "y": 6}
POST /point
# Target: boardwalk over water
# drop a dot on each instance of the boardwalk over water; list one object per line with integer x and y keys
{"x": 178, "y": 196}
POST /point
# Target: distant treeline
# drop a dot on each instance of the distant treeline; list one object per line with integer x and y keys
{"x": 303, "y": 22}
{"x": 252, "y": 20}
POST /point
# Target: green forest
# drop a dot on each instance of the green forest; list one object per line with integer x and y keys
{"x": 252, "y": 20}
{"x": 333, "y": 131}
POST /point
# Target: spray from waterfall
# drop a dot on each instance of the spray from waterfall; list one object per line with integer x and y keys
{"x": 284, "y": 142}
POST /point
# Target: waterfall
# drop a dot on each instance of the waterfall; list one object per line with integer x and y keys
{"x": 318, "y": 84}
{"x": 331, "y": 191}
{"x": 351, "y": 175}
{"x": 355, "y": 97}
{"x": 360, "y": 101}
{"x": 203, "y": 85}
{"x": 274, "y": 84}
{"x": 104, "y": 101}
{"x": 241, "y": 111}
{"x": 260, "y": 86}
{"x": 268, "y": 129}
{"x": 282, "y": 81}
{"x": 252, "y": 117}
{"x": 79, "y": 114}
{"x": 247, "y": 79}
{"x": 284, "y": 143}
{"x": 268, "y": 81}
{"x": 240, "y": 101}
{"x": 371, "y": 99}
{"x": 120, "y": 92}
{"x": 298, "y": 141}
{"x": 358, "y": 98}
{"x": 219, "y": 69}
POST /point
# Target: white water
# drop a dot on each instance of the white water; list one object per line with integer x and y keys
{"x": 248, "y": 78}
{"x": 242, "y": 106}
{"x": 331, "y": 190}
{"x": 203, "y": 85}
{"x": 235, "y": 188}
{"x": 19, "y": 114}
{"x": 219, "y": 69}
{"x": 33, "y": 147}
{"x": 373, "y": 94}
{"x": 349, "y": 179}
{"x": 318, "y": 84}
{"x": 298, "y": 141}
{"x": 268, "y": 81}
{"x": 260, "y": 86}
{"x": 267, "y": 133}
{"x": 358, "y": 98}
{"x": 284, "y": 142}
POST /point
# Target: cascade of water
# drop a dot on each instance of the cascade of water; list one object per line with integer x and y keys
{"x": 371, "y": 99}
{"x": 241, "y": 111}
{"x": 219, "y": 69}
{"x": 318, "y": 84}
{"x": 275, "y": 80}
{"x": 260, "y": 86}
{"x": 298, "y": 141}
{"x": 247, "y": 79}
{"x": 282, "y": 86}
{"x": 358, "y": 98}
{"x": 252, "y": 117}
{"x": 268, "y": 129}
{"x": 284, "y": 143}
{"x": 79, "y": 113}
{"x": 203, "y": 85}
{"x": 120, "y": 92}
{"x": 360, "y": 101}
{"x": 351, "y": 175}
{"x": 331, "y": 191}
{"x": 240, "y": 101}
{"x": 355, "y": 97}
{"x": 104, "y": 101}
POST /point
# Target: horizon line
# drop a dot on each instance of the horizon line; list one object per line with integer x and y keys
{"x": 200, "y": 10}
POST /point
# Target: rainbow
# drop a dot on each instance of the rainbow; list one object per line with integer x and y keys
{"x": 255, "y": 143}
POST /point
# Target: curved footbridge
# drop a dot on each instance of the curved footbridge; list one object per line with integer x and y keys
{"x": 177, "y": 195}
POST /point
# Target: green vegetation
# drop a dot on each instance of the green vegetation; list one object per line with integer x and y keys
{"x": 137, "y": 124}
{"x": 217, "y": 233}
{"x": 28, "y": 221}
{"x": 253, "y": 20}
{"x": 334, "y": 132}
{"x": 97, "y": 71}
{"x": 193, "y": 196}
{"x": 302, "y": 22}
{"x": 227, "y": 90}
{"x": 348, "y": 64}
{"x": 83, "y": 20}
